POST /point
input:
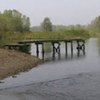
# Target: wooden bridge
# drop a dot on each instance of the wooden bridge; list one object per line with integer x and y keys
{"x": 55, "y": 45}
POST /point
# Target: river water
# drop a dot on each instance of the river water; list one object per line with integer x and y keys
{"x": 71, "y": 78}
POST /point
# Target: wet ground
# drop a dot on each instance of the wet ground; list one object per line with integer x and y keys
{"x": 76, "y": 87}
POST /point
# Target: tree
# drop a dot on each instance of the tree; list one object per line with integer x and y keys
{"x": 26, "y": 23}
{"x": 94, "y": 26}
{"x": 13, "y": 21}
{"x": 46, "y": 25}
{"x": 2, "y": 23}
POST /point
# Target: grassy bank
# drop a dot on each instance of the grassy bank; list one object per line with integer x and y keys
{"x": 13, "y": 62}
{"x": 10, "y": 37}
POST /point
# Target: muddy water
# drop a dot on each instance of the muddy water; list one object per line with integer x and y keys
{"x": 69, "y": 78}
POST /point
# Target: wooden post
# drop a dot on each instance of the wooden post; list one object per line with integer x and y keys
{"x": 37, "y": 49}
{"x": 83, "y": 48}
{"x": 71, "y": 48}
{"x": 43, "y": 51}
{"x": 78, "y": 49}
{"x": 66, "y": 49}
{"x": 58, "y": 48}
{"x": 53, "y": 51}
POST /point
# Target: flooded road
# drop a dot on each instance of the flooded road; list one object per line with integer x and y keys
{"x": 74, "y": 78}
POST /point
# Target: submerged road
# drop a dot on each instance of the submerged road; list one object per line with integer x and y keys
{"x": 83, "y": 86}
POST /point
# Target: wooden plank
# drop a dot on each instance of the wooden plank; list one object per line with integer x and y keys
{"x": 40, "y": 41}
{"x": 15, "y": 45}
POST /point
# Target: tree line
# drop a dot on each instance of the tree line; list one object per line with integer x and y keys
{"x": 93, "y": 28}
{"x": 14, "y": 21}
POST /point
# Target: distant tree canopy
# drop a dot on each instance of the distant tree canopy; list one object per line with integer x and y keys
{"x": 14, "y": 21}
{"x": 46, "y": 25}
{"x": 94, "y": 26}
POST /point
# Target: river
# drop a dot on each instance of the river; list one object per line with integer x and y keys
{"x": 71, "y": 78}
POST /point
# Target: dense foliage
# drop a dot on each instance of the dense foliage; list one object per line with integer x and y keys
{"x": 13, "y": 21}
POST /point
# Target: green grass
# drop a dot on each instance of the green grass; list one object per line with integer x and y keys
{"x": 9, "y": 37}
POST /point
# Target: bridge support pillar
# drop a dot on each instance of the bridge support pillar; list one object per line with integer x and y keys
{"x": 80, "y": 47}
{"x": 66, "y": 48}
{"x": 56, "y": 48}
{"x": 37, "y": 49}
{"x": 43, "y": 51}
{"x": 71, "y": 49}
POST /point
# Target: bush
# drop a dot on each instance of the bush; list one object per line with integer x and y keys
{"x": 25, "y": 48}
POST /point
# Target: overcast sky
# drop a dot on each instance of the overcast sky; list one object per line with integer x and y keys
{"x": 60, "y": 12}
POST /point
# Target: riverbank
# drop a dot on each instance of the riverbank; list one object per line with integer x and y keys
{"x": 11, "y": 37}
{"x": 13, "y": 62}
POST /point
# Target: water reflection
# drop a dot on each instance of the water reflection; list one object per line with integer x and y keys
{"x": 80, "y": 54}
{"x": 56, "y": 53}
{"x": 98, "y": 44}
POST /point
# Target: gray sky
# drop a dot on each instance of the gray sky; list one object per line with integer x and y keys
{"x": 65, "y": 12}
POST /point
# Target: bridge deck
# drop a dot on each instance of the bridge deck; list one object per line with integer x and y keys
{"x": 50, "y": 40}
{"x": 55, "y": 45}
